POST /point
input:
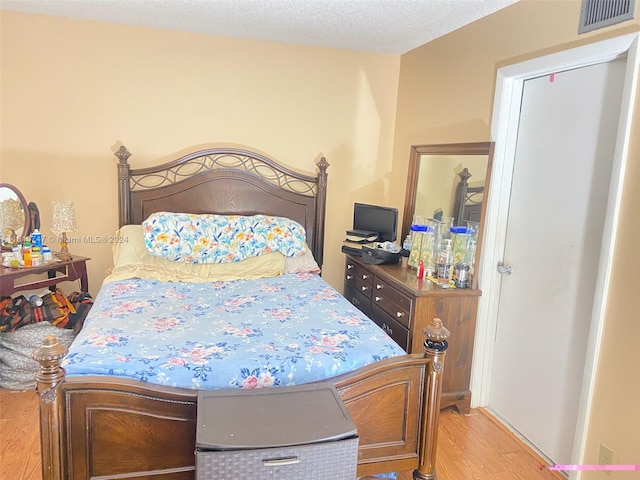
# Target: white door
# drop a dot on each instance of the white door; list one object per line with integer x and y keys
{"x": 562, "y": 171}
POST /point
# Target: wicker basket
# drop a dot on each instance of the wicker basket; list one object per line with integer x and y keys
{"x": 275, "y": 433}
{"x": 320, "y": 461}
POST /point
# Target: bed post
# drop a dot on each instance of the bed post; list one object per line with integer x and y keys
{"x": 435, "y": 350}
{"x": 461, "y": 196}
{"x": 48, "y": 379}
{"x": 123, "y": 186}
{"x": 321, "y": 206}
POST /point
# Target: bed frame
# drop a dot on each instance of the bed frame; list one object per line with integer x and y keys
{"x": 468, "y": 200}
{"x": 111, "y": 428}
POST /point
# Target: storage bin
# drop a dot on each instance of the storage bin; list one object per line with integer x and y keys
{"x": 275, "y": 433}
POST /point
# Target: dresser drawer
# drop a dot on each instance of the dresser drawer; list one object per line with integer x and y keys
{"x": 359, "y": 278}
{"x": 361, "y": 302}
{"x": 233, "y": 440}
{"x": 395, "y": 303}
{"x": 395, "y": 330}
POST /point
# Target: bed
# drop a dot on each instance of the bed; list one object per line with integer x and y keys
{"x": 106, "y": 423}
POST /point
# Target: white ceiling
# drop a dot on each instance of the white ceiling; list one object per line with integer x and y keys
{"x": 381, "y": 26}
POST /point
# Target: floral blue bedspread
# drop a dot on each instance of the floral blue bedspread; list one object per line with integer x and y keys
{"x": 276, "y": 331}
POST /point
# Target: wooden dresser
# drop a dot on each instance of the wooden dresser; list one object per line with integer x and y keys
{"x": 402, "y": 305}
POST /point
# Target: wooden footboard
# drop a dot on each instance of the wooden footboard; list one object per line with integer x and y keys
{"x": 108, "y": 428}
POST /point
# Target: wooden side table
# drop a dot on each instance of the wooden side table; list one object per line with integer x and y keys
{"x": 57, "y": 271}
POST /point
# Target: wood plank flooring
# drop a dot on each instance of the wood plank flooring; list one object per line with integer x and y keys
{"x": 19, "y": 436}
{"x": 470, "y": 447}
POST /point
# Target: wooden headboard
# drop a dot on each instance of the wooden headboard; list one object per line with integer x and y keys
{"x": 225, "y": 181}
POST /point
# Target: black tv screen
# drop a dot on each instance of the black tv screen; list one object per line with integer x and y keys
{"x": 383, "y": 220}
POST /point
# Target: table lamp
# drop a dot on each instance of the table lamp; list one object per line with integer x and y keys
{"x": 64, "y": 220}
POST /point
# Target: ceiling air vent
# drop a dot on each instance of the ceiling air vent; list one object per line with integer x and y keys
{"x": 603, "y": 13}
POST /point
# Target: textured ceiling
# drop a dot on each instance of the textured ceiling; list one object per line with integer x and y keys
{"x": 382, "y": 26}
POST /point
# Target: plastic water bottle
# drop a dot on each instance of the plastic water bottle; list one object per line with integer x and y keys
{"x": 35, "y": 300}
{"x": 407, "y": 243}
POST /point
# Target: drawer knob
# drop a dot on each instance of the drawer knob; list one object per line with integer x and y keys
{"x": 364, "y": 289}
{"x": 399, "y": 314}
{"x": 378, "y": 299}
{"x": 378, "y": 286}
{"x": 349, "y": 267}
{"x": 365, "y": 276}
{"x": 349, "y": 277}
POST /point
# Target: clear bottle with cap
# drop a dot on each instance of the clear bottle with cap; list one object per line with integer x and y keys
{"x": 407, "y": 243}
{"x": 35, "y": 300}
{"x": 445, "y": 261}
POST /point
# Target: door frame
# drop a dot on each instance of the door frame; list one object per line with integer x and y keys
{"x": 504, "y": 128}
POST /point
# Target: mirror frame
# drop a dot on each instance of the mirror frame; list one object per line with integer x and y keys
{"x": 457, "y": 149}
{"x": 25, "y": 208}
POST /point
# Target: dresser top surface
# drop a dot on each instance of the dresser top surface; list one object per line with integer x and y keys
{"x": 405, "y": 279}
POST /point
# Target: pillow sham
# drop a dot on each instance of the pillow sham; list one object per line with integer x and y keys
{"x": 132, "y": 260}
{"x": 305, "y": 263}
{"x": 209, "y": 238}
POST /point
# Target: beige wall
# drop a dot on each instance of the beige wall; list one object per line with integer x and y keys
{"x": 71, "y": 90}
{"x": 446, "y": 95}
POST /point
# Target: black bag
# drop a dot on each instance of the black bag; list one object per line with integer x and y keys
{"x": 379, "y": 256}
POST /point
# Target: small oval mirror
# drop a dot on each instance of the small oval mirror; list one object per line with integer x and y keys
{"x": 14, "y": 217}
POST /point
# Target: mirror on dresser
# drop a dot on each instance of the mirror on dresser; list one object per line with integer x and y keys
{"x": 15, "y": 221}
{"x": 452, "y": 177}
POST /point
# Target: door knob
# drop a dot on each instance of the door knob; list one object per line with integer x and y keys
{"x": 504, "y": 269}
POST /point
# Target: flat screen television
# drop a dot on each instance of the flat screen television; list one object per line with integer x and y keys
{"x": 383, "y": 220}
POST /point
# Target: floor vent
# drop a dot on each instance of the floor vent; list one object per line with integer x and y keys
{"x": 603, "y": 13}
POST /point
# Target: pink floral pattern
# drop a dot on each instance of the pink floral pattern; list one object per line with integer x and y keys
{"x": 269, "y": 332}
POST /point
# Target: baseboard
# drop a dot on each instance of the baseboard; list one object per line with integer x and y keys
{"x": 517, "y": 438}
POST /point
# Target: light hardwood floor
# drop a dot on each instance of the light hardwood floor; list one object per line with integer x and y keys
{"x": 470, "y": 447}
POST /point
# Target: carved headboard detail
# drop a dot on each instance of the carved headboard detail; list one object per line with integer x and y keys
{"x": 225, "y": 181}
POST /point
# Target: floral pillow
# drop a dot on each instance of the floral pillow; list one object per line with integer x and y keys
{"x": 212, "y": 238}
{"x": 132, "y": 260}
